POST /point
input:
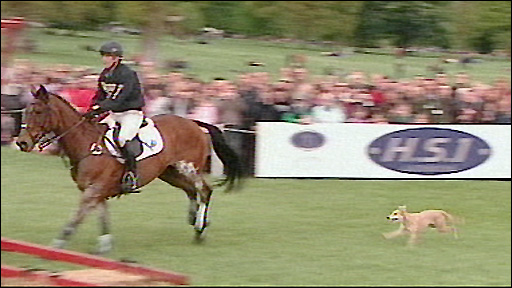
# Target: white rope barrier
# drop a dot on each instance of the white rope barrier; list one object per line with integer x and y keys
{"x": 238, "y": 130}
{"x": 12, "y": 111}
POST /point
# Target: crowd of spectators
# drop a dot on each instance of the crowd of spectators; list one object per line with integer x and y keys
{"x": 293, "y": 96}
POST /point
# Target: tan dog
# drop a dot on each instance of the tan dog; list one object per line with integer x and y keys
{"x": 416, "y": 223}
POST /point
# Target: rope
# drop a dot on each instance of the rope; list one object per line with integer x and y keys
{"x": 12, "y": 111}
{"x": 238, "y": 130}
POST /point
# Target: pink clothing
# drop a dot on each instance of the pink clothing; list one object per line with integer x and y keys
{"x": 80, "y": 98}
{"x": 378, "y": 97}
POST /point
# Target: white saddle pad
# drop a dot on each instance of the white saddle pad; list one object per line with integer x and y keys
{"x": 148, "y": 135}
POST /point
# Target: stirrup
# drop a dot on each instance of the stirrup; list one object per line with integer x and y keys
{"x": 129, "y": 183}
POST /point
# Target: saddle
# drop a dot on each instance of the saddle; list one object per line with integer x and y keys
{"x": 148, "y": 140}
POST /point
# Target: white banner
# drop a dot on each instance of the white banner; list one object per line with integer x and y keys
{"x": 380, "y": 151}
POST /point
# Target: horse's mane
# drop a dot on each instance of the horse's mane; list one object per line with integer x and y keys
{"x": 93, "y": 126}
{"x": 65, "y": 102}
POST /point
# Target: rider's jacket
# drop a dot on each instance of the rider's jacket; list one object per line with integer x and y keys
{"x": 119, "y": 89}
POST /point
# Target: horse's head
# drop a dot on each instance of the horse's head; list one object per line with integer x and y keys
{"x": 38, "y": 120}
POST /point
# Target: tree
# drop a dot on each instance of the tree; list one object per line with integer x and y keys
{"x": 482, "y": 25}
{"x": 409, "y": 22}
{"x": 371, "y": 24}
{"x": 151, "y": 17}
{"x": 403, "y": 22}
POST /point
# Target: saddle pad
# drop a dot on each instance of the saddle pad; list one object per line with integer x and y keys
{"x": 149, "y": 136}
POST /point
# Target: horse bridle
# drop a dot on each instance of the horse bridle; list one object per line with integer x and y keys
{"x": 43, "y": 143}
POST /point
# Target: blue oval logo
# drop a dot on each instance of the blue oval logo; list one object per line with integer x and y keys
{"x": 308, "y": 140}
{"x": 429, "y": 151}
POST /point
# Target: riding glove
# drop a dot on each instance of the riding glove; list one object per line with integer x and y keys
{"x": 95, "y": 110}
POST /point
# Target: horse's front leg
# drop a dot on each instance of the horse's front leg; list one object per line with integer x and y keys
{"x": 88, "y": 202}
{"x": 105, "y": 239}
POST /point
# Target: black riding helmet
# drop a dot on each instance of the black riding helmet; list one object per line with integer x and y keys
{"x": 112, "y": 48}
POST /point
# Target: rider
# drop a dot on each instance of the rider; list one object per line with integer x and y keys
{"x": 119, "y": 92}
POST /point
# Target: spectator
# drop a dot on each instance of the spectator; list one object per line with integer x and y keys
{"x": 230, "y": 104}
{"x": 300, "y": 112}
{"x": 257, "y": 99}
{"x": 361, "y": 114}
{"x": 462, "y": 81}
{"x": 489, "y": 113}
{"x": 181, "y": 93}
{"x": 328, "y": 110}
{"x": 467, "y": 116}
{"x": 205, "y": 110}
{"x": 401, "y": 113}
{"x": 378, "y": 118}
{"x": 357, "y": 80}
{"x": 7, "y": 128}
{"x": 80, "y": 92}
{"x": 231, "y": 109}
{"x": 422, "y": 118}
{"x": 469, "y": 99}
{"x": 503, "y": 112}
{"x": 158, "y": 102}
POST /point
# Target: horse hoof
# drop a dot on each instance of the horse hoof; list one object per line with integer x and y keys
{"x": 199, "y": 237}
{"x": 192, "y": 220}
{"x": 58, "y": 243}
{"x": 104, "y": 244}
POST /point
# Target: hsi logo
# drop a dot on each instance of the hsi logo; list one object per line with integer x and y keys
{"x": 429, "y": 151}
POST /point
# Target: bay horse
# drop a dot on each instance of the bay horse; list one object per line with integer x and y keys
{"x": 181, "y": 163}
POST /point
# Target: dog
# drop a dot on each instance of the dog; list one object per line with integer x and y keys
{"x": 416, "y": 223}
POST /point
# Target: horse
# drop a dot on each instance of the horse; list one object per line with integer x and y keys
{"x": 181, "y": 163}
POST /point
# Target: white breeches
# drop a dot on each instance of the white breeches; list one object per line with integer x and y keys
{"x": 129, "y": 121}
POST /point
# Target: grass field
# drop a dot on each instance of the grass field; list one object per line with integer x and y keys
{"x": 229, "y": 57}
{"x": 275, "y": 231}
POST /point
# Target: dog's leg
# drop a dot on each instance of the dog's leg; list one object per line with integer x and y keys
{"x": 451, "y": 227}
{"x": 413, "y": 240}
{"x": 443, "y": 227}
{"x": 396, "y": 233}
{"x": 455, "y": 232}
{"x": 448, "y": 229}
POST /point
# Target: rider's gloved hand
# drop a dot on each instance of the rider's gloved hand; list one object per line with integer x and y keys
{"x": 95, "y": 110}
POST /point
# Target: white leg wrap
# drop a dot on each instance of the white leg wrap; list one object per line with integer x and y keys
{"x": 59, "y": 243}
{"x": 201, "y": 220}
{"x": 105, "y": 243}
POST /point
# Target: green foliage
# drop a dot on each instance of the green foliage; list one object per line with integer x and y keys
{"x": 275, "y": 232}
{"x": 371, "y": 24}
{"x": 404, "y": 22}
{"x": 482, "y": 25}
{"x": 221, "y": 14}
{"x": 459, "y": 24}
{"x": 193, "y": 18}
{"x": 483, "y": 43}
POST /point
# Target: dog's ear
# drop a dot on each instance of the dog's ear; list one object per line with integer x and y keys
{"x": 402, "y": 208}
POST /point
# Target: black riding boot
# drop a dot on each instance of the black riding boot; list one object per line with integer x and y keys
{"x": 129, "y": 181}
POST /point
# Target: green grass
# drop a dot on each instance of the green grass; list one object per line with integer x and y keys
{"x": 229, "y": 57}
{"x": 275, "y": 231}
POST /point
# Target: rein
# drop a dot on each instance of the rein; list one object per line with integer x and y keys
{"x": 46, "y": 142}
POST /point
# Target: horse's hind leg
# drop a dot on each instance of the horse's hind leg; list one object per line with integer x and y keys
{"x": 185, "y": 176}
{"x": 173, "y": 177}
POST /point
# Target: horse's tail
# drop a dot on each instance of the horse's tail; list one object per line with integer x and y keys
{"x": 228, "y": 157}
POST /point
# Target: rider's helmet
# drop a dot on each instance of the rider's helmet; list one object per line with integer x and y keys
{"x": 112, "y": 48}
